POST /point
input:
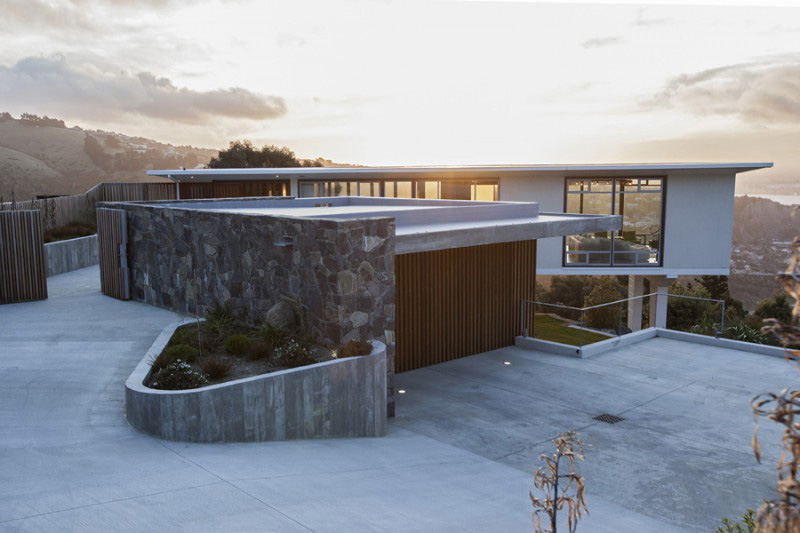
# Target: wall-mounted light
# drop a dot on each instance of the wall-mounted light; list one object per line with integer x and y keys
{"x": 401, "y": 391}
{"x": 506, "y": 363}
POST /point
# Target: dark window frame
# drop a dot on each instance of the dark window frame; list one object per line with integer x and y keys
{"x": 613, "y": 194}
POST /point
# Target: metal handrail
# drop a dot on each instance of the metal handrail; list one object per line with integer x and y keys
{"x": 589, "y": 308}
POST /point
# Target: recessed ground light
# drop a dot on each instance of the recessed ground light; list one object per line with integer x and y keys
{"x": 506, "y": 362}
{"x": 401, "y": 391}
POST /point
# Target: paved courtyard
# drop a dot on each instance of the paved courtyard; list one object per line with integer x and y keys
{"x": 458, "y": 457}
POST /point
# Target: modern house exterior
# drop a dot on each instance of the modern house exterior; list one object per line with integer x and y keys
{"x": 432, "y": 279}
{"x": 677, "y": 218}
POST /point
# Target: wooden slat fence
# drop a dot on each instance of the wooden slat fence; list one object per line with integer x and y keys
{"x": 134, "y": 192}
{"x": 462, "y": 301}
{"x": 22, "y": 262}
{"x": 112, "y": 252}
{"x": 63, "y": 210}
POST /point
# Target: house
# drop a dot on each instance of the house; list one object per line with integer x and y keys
{"x": 433, "y": 279}
{"x": 677, "y": 218}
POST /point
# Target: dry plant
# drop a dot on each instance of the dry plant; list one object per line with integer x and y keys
{"x": 570, "y": 492}
{"x": 783, "y": 514}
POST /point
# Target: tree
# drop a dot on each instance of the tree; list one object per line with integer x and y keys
{"x": 717, "y": 288}
{"x": 242, "y": 154}
{"x": 605, "y": 290}
{"x": 684, "y": 313}
{"x": 777, "y": 307}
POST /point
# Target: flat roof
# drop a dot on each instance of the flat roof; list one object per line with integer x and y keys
{"x": 444, "y": 171}
{"x": 420, "y": 224}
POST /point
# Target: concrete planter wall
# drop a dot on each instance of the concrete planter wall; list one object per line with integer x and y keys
{"x": 334, "y": 399}
{"x": 69, "y": 255}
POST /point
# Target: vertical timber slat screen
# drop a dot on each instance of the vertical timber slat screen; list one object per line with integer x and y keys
{"x": 22, "y": 266}
{"x": 111, "y": 247}
{"x": 462, "y": 301}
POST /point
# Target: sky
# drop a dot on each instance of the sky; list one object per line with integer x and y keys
{"x": 419, "y": 82}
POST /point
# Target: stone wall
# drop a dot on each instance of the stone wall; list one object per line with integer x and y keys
{"x": 69, "y": 255}
{"x": 339, "y": 273}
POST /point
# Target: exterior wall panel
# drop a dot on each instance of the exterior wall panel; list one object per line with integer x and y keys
{"x": 458, "y": 302}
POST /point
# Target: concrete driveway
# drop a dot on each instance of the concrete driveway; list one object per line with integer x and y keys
{"x": 458, "y": 456}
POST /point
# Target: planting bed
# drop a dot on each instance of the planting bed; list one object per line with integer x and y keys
{"x": 222, "y": 349}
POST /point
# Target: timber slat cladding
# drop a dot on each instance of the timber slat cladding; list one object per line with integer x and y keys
{"x": 22, "y": 266}
{"x": 110, "y": 235}
{"x": 462, "y": 301}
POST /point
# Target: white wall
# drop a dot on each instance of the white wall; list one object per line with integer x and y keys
{"x": 699, "y": 216}
{"x": 548, "y": 190}
{"x": 698, "y": 223}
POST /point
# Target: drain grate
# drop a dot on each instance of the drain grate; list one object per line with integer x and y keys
{"x": 608, "y": 419}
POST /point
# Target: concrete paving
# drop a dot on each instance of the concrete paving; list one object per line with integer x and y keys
{"x": 458, "y": 457}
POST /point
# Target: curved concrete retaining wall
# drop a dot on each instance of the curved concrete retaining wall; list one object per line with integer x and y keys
{"x": 69, "y": 255}
{"x": 334, "y": 399}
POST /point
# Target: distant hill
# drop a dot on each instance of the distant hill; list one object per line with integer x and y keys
{"x": 40, "y": 155}
{"x": 762, "y": 234}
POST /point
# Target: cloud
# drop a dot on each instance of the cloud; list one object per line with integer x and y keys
{"x": 599, "y": 42}
{"x": 643, "y": 20}
{"x": 87, "y": 91}
{"x": 764, "y": 93}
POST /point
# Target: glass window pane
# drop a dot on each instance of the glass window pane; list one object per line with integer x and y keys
{"x": 602, "y": 186}
{"x": 432, "y": 189}
{"x": 577, "y": 185}
{"x": 639, "y": 241}
{"x": 590, "y": 249}
{"x": 595, "y": 204}
{"x": 338, "y": 188}
{"x": 388, "y": 189}
{"x": 650, "y": 184}
{"x": 455, "y": 190}
{"x": 307, "y": 189}
{"x": 404, "y": 189}
{"x": 486, "y": 192}
{"x": 368, "y": 188}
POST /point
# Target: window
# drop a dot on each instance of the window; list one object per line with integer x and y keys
{"x": 484, "y": 190}
{"x": 640, "y": 203}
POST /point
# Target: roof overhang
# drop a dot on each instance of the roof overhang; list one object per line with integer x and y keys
{"x": 449, "y": 172}
{"x": 420, "y": 225}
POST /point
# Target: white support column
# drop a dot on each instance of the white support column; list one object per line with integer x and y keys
{"x": 635, "y": 288}
{"x": 658, "y": 305}
{"x": 293, "y": 189}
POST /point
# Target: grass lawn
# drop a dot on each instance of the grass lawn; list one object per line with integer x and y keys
{"x": 552, "y": 329}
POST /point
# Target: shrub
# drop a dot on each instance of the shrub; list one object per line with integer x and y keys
{"x": 177, "y": 376}
{"x": 184, "y": 335}
{"x": 293, "y": 353}
{"x": 220, "y": 321}
{"x": 745, "y": 332}
{"x": 260, "y": 349}
{"x": 215, "y": 367}
{"x": 274, "y": 335}
{"x": 747, "y": 525}
{"x": 237, "y": 344}
{"x": 706, "y": 326}
{"x": 174, "y": 353}
{"x": 354, "y": 348}
{"x": 777, "y": 307}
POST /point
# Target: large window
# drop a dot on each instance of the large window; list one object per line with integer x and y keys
{"x": 485, "y": 190}
{"x": 640, "y": 201}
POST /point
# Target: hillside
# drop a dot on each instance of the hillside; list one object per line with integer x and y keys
{"x": 763, "y": 231}
{"x": 42, "y": 156}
